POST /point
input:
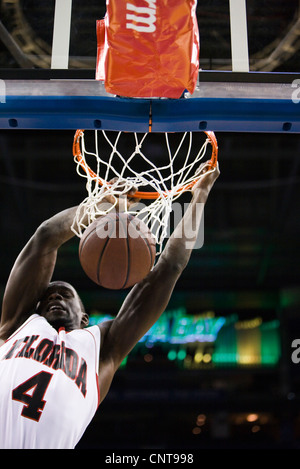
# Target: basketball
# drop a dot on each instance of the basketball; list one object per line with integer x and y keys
{"x": 117, "y": 250}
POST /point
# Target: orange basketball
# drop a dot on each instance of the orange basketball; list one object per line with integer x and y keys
{"x": 117, "y": 250}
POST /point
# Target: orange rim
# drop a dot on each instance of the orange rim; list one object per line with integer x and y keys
{"x": 142, "y": 195}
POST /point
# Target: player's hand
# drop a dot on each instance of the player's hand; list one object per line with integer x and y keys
{"x": 124, "y": 196}
{"x": 206, "y": 180}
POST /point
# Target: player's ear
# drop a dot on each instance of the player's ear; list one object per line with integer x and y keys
{"x": 85, "y": 320}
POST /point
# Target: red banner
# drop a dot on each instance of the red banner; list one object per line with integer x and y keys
{"x": 148, "y": 48}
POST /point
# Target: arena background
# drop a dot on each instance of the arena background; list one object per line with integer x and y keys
{"x": 218, "y": 373}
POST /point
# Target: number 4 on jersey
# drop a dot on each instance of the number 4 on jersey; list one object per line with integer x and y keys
{"x": 34, "y": 403}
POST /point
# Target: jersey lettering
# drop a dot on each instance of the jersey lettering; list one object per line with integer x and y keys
{"x": 81, "y": 377}
{"x": 71, "y": 363}
{"x": 55, "y": 356}
{"x": 34, "y": 403}
{"x": 26, "y": 350}
{"x": 43, "y": 350}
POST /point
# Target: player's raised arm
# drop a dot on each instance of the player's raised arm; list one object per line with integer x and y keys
{"x": 33, "y": 269}
{"x": 149, "y": 298}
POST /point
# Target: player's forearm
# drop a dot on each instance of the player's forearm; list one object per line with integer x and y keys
{"x": 183, "y": 239}
{"x": 56, "y": 230}
{"x": 149, "y": 298}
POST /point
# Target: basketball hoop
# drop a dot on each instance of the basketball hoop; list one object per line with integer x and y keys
{"x": 163, "y": 182}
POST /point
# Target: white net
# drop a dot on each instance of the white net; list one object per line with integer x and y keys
{"x": 163, "y": 172}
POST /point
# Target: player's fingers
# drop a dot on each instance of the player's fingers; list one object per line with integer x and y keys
{"x": 132, "y": 191}
{"x": 203, "y": 168}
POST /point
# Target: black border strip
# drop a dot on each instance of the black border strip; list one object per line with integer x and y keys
{"x": 205, "y": 76}
{"x": 247, "y": 77}
{"x": 46, "y": 74}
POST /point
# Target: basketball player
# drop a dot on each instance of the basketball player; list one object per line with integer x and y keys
{"x": 54, "y": 370}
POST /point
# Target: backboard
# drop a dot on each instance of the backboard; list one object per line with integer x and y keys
{"x": 248, "y": 78}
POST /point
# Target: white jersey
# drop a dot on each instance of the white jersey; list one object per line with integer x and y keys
{"x": 49, "y": 389}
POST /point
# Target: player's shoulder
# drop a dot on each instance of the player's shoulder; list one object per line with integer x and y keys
{"x": 104, "y": 327}
{"x": 8, "y": 328}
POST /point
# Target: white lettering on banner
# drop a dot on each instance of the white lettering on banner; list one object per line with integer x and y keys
{"x": 296, "y": 93}
{"x": 2, "y": 91}
{"x": 142, "y": 24}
